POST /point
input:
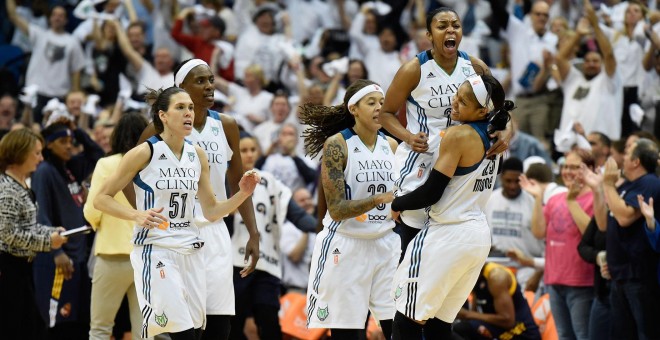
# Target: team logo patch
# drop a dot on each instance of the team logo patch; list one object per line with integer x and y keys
{"x": 191, "y": 156}
{"x": 398, "y": 292}
{"x": 215, "y": 130}
{"x": 161, "y": 320}
{"x": 385, "y": 149}
{"x": 466, "y": 71}
{"x": 322, "y": 313}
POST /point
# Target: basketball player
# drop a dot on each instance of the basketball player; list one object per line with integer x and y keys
{"x": 426, "y": 85}
{"x": 217, "y": 134}
{"x": 439, "y": 270}
{"x": 356, "y": 254}
{"x": 168, "y": 172}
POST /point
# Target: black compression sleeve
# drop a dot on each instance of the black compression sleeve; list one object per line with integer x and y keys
{"x": 424, "y": 196}
{"x": 300, "y": 218}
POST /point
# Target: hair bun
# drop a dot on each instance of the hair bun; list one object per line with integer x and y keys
{"x": 508, "y": 105}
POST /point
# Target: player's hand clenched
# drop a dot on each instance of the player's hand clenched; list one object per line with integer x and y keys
{"x": 419, "y": 142}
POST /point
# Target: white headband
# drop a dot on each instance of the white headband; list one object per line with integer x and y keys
{"x": 480, "y": 92}
{"x": 363, "y": 92}
{"x": 185, "y": 69}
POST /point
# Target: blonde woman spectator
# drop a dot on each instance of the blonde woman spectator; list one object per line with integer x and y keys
{"x": 113, "y": 274}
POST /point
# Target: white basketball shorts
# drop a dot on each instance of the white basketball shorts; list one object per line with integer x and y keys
{"x": 171, "y": 289}
{"x": 439, "y": 270}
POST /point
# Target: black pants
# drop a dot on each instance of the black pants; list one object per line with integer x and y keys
{"x": 627, "y": 125}
{"x": 19, "y": 316}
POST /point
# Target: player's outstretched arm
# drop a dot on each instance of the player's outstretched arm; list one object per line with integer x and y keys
{"x": 212, "y": 208}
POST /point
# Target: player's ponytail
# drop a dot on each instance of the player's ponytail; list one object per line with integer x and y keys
{"x": 325, "y": 121}
{"x": 499, "y": 116}
{"x": 160, "y": 100}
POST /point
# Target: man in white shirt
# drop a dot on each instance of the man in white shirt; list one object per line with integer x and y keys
{"x": 149, "y": 77}
{"x": 57, "y": 57}
{"x": 593, "y": 97}
{"x": 509, "y": 214}
{"x": 267, "y": 131}
{"x": 528, "y": 44}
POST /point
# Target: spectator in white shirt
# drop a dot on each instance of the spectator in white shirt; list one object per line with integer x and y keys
{"x": 56, "y": 56}
{"x": 261, "y": 44}
{"x": 627, "y": 43}
{"x": 266, "y": 132}
{"x": 593, "y": 96}
{"x": 527, "y": 45}
{"x": 364, "y": 33}
{"x": 384, "y": 62}
{"x": 251, "y": 101}
{"x": 149, "y": 76}
{"x": 509, "y": 214}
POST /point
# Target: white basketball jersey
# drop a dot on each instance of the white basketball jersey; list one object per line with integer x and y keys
{"x": 213, "y": 141}
{"x": 428, "y": 109}
{"x": 429, "y": 105}
{"x": 367, "y": 173}
{"x": 270, "y": 200}
{"x": 172, "y": 184}
{"x": 469, "y": 189}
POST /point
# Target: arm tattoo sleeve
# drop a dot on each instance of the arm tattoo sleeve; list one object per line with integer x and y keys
{"x": 334, "y": 157}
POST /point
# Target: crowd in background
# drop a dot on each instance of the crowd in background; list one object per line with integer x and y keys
{"x": 586, "y": 85}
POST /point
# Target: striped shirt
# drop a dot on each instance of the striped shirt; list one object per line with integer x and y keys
{"x": 20, "y": 234}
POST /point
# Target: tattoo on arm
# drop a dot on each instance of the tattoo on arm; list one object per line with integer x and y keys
{"x": 334, "y": 185}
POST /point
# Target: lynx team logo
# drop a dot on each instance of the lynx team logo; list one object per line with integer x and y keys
{"x": 215, "y": 130}
{"x": 466, "y": 71}
{"x": 161, "y": 320}
{"x": 398, "y": 292}
{"x": 322, "y": 313}
{"x": 191, "y": 156}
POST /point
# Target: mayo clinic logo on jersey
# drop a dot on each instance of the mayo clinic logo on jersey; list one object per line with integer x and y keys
{"x": 441, "y": 95}
{"x": 374, "y": 170}
{"x": 177, "y": 179}
{"x": 212, "y": 149}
